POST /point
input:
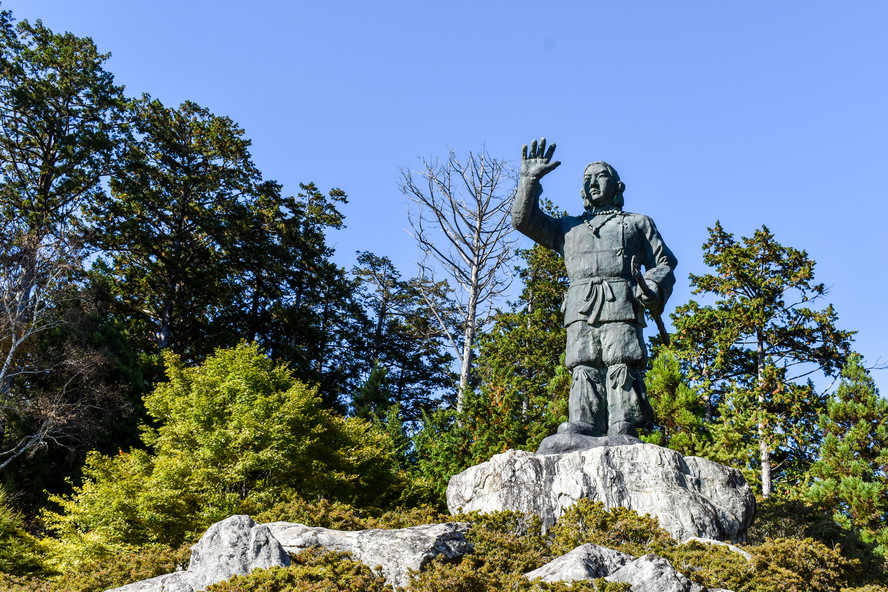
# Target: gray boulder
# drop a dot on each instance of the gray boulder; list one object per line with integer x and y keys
{"x": 237, "y": 545}
{"x": 586, "y": 562}
{"x": 393, "y": 552}
{"x": 690, "y": 496}
{"x": 234, "y": 546}
{"x": 174, "y": 582}
{"x": 652, "y": 573}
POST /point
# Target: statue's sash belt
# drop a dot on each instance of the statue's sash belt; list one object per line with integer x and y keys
{"x": 599, "y": 291}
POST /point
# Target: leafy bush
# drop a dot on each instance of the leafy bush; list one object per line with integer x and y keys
{"x": 19, "y": 555}
{"x": 506, "y": 545}
{"x": 615, "y": 528}
{"x": 128, "y": 564}
{"x": 312, "y": 570}
{"x": 714, "y": 566}
{"x": 781, "y": 518}
{"x": 337, "y": 515}
{"x": 235, "y": 433}
{"x": 790, "y": 565}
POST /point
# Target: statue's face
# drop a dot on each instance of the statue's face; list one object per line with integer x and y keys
{"x": 600, "y": 186}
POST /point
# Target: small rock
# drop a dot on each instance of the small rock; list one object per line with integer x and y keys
{"x": 174, "y": 582}
{"x": 586, "y": 562}
{"x": 733, "y": 548}
{"x": 652, "y": 573}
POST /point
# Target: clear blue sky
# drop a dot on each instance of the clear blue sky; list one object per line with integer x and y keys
{"x": 750, "y": 113}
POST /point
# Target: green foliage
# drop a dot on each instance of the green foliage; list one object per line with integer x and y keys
{"x": 790, "y": 565}
{"x": 236, "y": 432}
{"x": 175, "y": 195}
{"x": 340, "y": 516}
{"x": 677, "y": 406}
{"x": 522, "y": 394}
{"x": 313, "y": 570}
{"x": 776, "y": 566}
{"x": 506, "y": 545}
{"x": 522, "y": 383}
{"x": 125, "y": 565}
{"x": 402, "y": 348}
{"x": 713, "y": 566}
{"x": 747, "y": 352}
{"x": 781, "y": 518}
{"x": 852, "y": 473}
{"x": 19, "y": 553}
{"x": 59, "y": 129}
{"x": 58, "y": 125}
{"x": 615, "y": 528}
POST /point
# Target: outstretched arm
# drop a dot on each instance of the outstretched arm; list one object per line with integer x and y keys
{"x": 527, "y": 217}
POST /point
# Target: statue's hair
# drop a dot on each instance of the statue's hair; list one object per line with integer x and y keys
{"x": 621, "y": 187}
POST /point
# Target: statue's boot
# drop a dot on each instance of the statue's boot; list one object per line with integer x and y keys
{"x": 587, "y": 409}
{"x": 628, "y": 407}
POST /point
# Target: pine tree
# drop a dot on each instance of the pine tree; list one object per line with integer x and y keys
{"x": 852, "y": 473}
{"x": 402, "y": 336}
{"x": 749, "y": 351}
{"x": 678, "y": 407}
{"x": 165, "y": 228}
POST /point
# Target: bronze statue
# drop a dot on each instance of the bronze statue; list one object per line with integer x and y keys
{"x": 603, "y": 251}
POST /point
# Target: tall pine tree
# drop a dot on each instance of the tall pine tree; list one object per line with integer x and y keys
{"x": 751, "y": 350}
{"x": 852, "y": 473}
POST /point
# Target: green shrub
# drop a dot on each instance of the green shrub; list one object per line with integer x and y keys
{"x": 615, "y": 528}
{"x": 234, "y": 435}
{"x": 781, "y": 518}
{"x": 129, "y": 564}
{"x": 340, "y": 516}
{"x": 19, "y": 555}
{"x": 506, "y": 545}
{"x": 312, "y": 570}
{"x": 791, "y": 565}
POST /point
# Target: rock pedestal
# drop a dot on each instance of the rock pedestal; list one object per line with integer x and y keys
{"x": 691, "y": 496}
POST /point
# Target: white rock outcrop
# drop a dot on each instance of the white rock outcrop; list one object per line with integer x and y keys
{"x": 237, "y": 546}
{"x": 691, "y": 496}
{"x": 396, "y": 552}
{"x": 586, "y": 562}
{"x": 650, "y": 573}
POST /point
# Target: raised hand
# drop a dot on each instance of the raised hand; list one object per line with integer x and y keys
{"x": 538, "y": 162}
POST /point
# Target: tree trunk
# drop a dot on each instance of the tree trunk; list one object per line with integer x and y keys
{"x": 468, "y": 341}
{"x": 764, "y": 450}
{"x": 166, "y": 321}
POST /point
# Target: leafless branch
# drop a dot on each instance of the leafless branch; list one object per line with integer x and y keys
{"x": 464, "y": 200}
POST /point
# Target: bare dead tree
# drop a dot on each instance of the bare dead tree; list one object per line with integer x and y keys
{"x": 468, "y": 201}
{"x": 34, "y": 275}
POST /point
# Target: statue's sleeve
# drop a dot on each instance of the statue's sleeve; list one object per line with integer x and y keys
{"x": 529, "y": 220}
{"x": 658, "y": 260}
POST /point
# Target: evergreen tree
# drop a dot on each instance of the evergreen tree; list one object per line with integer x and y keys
{"x": 749, "y": 351}
{"x": 521, "y": 395}
{"x": 852, "y": 473}
{"x": 165, "y": 229}
{"x": 678, "y": 407}
{"x": 289, "y": 296}
{"x": 236, "y": 434}
{"x": 59, "y": 132}
{"x": 401, "y": 337}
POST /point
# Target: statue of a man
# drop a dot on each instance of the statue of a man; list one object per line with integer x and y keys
{"x": 603, "y": 309}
